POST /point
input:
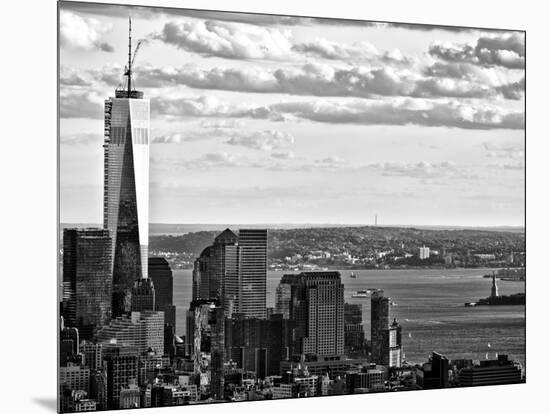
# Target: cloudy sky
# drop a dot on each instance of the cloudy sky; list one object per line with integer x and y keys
{"x": 267, "y": 119}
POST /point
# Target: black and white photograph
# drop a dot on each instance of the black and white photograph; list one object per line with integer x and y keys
{"x": 262, "y": 207}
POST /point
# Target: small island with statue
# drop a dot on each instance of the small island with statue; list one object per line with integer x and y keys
{"x": 496, "y": 299}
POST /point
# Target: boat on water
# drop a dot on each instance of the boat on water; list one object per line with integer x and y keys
{"x": 353, "y": 275}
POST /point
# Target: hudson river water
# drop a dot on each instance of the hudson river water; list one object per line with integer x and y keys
{"x": 429, "y": 305}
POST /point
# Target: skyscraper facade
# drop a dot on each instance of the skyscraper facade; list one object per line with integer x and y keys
{"x": 252, "y": 272}
{"x": 161, "y": 275}
{"x": 142, "y": 330}
{"x": 395, "y": 353}
{"x": 380, "y": 321}
{"x": 87, "y": 279}
{"x": 282, "y": 299}
{"x": 143, "y": 295}
{"x": 317, "y": 313}
{"x": 354, "y": 334}
{"x": 233, "y": 270}
{"x": 126, "y": 189}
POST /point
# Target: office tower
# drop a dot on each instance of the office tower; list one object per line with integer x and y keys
{"x": 257, "y": 345}
{"x": 129, "y": 396}
{"x": 435, "y": 373}
{"x": 161, "y": 275}
{"x": 143, "y": 330}
{"x": 317, "y": 313}
{"x": 395, "y": 353}
{"x": 199, "y": 330}
{"x": 74, "y": 377}
{"x": 251, "y": 297}
{"x": 354, "y": 334}
{"x": 69, "y": 344}
{"x": 87, "y": 279}
{"x": 98, "y": 388}
{"x": 217, "y": 351}
{"x": 93, "y": 355}
{"x": 149, "y": 365}
{"x": 380, "y": 321}
{"x": 215, "y": 272}
{"x": 126, "y": 187}
{"x": 233, "y": 270}
{"x": 143, "y": 295}
{"x": 122, "y": 370}
{"x": 202, "y": 268}
{"x": 283, "y": 298}
{"x": 491, "y": 372}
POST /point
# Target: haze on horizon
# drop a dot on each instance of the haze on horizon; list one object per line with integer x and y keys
{"x": 269, "y": 119}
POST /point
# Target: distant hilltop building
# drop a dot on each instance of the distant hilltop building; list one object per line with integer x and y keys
{"x": 126, "y": 187}
{"x": 424, "y": 253}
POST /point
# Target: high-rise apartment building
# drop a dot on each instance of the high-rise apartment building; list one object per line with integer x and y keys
{"x": 126, "y": 187}
{"x": 87, "y": 279}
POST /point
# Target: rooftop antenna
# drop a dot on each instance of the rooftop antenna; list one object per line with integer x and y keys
{"x": 129, "y": 72}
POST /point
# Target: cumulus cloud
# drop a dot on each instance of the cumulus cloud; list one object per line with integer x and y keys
{"x": 222, "y": 123}
{"x": 80, "y": 104}
{"x": 287, "y": 155}
{"x": 267, "y": 140}
{"x": 506, "y": 151}
{"x": 263, "y": 140}
{"x": 233, "y": 40}
{"x": 506, "y": 50}
{"x": 350, "y": 52}
{"x": 404, "y": 112}
{"x": 81, "y": 139}
{"x": 207, "y": 106}
{"x": 227, "y": 39}
{"x": 449, "y": 113}
{"x": 77, "y": 32}
{"x": 420, "y": 169}
{"x": 511, "y": 166}
{"x": 73, "y": 78}
{"x": 220, "y": 160}
{"x": 322, "y": 80}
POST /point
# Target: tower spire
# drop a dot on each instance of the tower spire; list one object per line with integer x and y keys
{"x": 129, "y": 73}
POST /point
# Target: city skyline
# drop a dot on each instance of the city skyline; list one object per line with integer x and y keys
{"x": 219, "y": 315}
{"x": 233, "y": 126}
